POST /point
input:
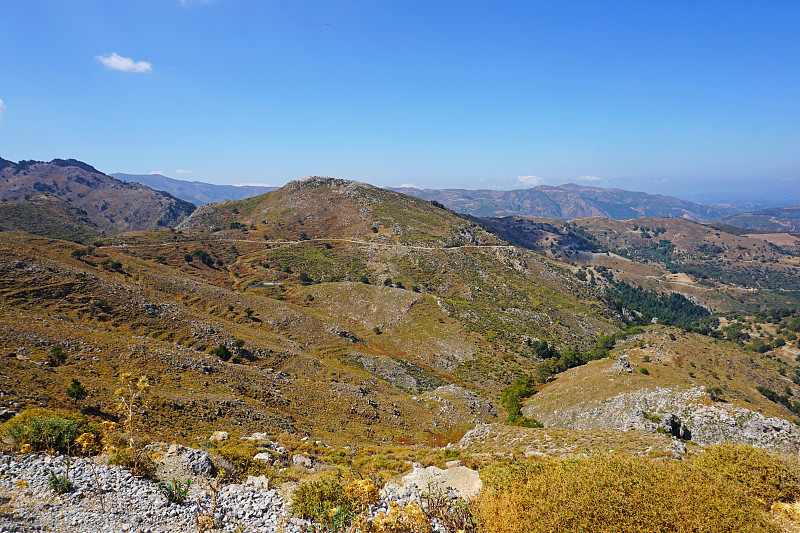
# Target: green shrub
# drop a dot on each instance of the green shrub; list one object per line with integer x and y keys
{"x": 59, "y": 484}
{"x": 57, "y": 356}
{"x": 326, "y": 501}
{"x": 175, "y": 492}
{"x": 50, "y": 433}
{"x": 715, "y": 393}
{"x": 222, "y": 352}
{"x": 644, "y": 371}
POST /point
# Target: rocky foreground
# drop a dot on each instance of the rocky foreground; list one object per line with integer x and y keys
{"x": 109, "y": 499}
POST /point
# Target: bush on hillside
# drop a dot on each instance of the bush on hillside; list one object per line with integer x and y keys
{"x": 605, "y": 494}
{"x": 47, "y": 430}
{"x": 766, "y": 476}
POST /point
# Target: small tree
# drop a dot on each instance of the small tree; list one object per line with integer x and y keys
{"x": 76, "y": 391}
{"x": 129, "y": 397}
{"x": 716, "y": 394}
{"x": 57, "y": 356}
{"x": 222, "y": 352}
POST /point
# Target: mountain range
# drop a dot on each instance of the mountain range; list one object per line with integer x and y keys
{"x": 196, "y": 192}
{"x": 569, "y": 201}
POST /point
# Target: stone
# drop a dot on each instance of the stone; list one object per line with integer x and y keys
{"x": 218, "y": 436}
{"x": 462, "y": 481}
{"x": 263, "y": 456}
{"x": 302, "y": 460}
{"x": 259, "y": 439}
{"x": 258, "y": 482}
{"x": 454, "y": 463}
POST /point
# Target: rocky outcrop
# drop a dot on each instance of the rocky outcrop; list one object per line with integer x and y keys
{"x": 684, "y": 413}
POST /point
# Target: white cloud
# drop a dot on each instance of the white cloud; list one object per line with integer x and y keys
{"x": 115, "y": 61}
{"x": 182, "y": 171}
{"x": 530, "y": 181}
{"x": 409, "y": 185}
{"x": 2, "y": 108}
{"x": 157, "y": 172}
{"x": 252, "y": 185}
{"x": 588, "y": 178}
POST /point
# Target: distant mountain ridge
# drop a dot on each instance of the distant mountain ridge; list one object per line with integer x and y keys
{"x": 196, "y": 192}
{"x": 771, "y": 219}
{"x": 567, "y": 202}
{"x": 91, "y": 197}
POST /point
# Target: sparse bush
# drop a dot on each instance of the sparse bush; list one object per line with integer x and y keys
{"x": 326, "y": 501}
{"x": 644, "y": 371}
{"x": 137, "y": 461}
{"x": 241, "y": 460}
{"x": 129, "y": 395}
{"x": 238, "y": 343}
{"x": 364, "y": 279}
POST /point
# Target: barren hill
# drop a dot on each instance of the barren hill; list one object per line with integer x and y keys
{"x": 112, "y": 205}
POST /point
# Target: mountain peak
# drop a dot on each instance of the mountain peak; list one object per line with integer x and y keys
{"x": 318, "y": 182}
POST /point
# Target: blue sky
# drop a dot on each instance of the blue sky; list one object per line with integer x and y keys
{"x": 656, "y": 96}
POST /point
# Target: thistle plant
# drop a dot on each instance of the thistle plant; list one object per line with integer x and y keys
{"x": 129, "y": 397}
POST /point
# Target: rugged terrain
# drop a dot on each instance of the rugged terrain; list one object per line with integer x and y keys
{"x": 368, "y": 331}
{"x": 111, "y": 205}
{"x": 724, "y": 267}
